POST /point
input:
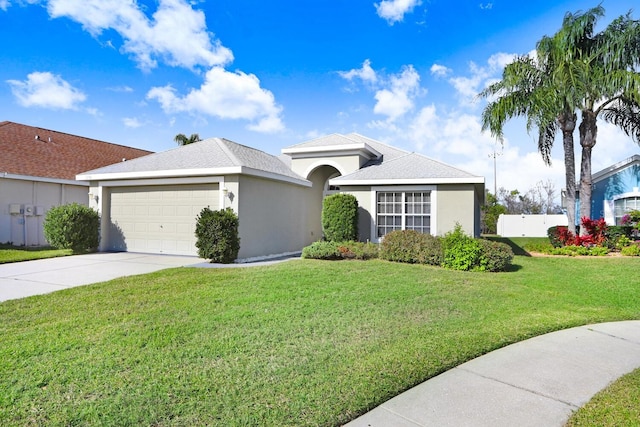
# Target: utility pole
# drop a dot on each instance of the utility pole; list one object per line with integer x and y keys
{"x": 495, "y": 154}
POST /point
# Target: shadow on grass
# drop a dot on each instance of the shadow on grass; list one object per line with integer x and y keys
{"x": 517, "y": 250}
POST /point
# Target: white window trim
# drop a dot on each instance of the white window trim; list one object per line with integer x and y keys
{"x": 404, "y": 188}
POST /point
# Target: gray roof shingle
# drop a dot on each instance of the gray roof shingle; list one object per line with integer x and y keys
{"x": 411, "y": 166}
{"x": 209, "y": 154}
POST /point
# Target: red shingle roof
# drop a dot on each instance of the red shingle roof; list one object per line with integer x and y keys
{"x": 32, "y": 151}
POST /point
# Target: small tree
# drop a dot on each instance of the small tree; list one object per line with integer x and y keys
{"x": 340, "y": 217}
{"x": 217, "y": 235}
{"x": 74, "y": 227}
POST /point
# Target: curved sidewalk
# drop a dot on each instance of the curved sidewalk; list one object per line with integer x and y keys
{"x": 537, "y": 382}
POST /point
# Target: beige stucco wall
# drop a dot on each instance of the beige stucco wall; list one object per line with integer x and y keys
{"x": 27, "y": 229}
{"x": 456, "y": 204}
{"x": 273, "y": 217}
{"x": 365, "y": 216}
{"x": 450, "y": 204}
{"x": 344, "y": 164}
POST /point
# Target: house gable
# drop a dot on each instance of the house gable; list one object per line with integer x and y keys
{"x": 344, "y": 153}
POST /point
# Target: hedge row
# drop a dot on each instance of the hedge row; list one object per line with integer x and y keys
{"x": 455, "y": 251}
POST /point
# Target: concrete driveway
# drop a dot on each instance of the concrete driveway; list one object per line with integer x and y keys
{"x": 22, "y": 279}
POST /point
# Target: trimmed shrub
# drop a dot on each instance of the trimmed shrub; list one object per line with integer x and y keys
{"x": 495, "y": 256}
{"x": 340, "y": 218}
{"x": 322, "y": 250}
{"x": 340, "y": 250}
{"x": 575, "y": 250}
{"x": 461, "y": 252}
{"x": 632, "y": 250}
{"x": 358, "y": 250}
{"x": 412, "y": 247}
{"x": 73, "y": 226}
{"x": 431, "y": 251}
{"x": 554, "y": 235}
{"x": 217, "y": 235}
{"x": 618, "y": 236}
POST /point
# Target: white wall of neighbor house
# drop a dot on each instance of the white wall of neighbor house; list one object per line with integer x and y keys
{"x": 24, "y": 202}
{"x": 528, "y": 225}
{"x": 273, "y": 218}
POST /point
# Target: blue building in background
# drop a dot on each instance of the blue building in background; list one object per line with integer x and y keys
{"x": 616, "y": 190}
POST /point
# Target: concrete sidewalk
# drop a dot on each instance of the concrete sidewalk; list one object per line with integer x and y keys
{"x": 537, "y": 382}
{"x": 23, "y": 279}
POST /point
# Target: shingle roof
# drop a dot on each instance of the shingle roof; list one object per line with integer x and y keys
{"x": 38, "y": 152}
{"x": 336, "y": 140}
{"x": 207, "y": 156}
{"x": 411, "y": 166}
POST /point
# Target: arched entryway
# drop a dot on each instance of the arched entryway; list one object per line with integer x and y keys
{"x": 319, "y": 178}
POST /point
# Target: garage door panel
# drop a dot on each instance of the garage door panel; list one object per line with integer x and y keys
{"x": 158, "y": 219}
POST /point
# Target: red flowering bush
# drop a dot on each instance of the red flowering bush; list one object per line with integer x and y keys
{"x": 596, "y": 234}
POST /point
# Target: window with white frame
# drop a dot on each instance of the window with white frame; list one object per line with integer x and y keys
{"x": 623, "y": 206}
{"x": 403, "y": 210}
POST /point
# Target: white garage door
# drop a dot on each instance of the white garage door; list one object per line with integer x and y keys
{"x": 158, "y": 219}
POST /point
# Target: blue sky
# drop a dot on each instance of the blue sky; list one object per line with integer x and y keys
{"x": 270, "y": 74}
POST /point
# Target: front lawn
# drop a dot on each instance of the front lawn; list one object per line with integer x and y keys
{"x": 616, "y": 405}
{"x": 10, "y": 253}
{"x": 299, "y": 343}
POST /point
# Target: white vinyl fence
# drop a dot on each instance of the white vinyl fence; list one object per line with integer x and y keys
{"x": 528, "y": 225}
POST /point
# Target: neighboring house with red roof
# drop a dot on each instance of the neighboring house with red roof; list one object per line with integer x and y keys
{"x": 150, "y": 204}
{"x": 37, "y": 172}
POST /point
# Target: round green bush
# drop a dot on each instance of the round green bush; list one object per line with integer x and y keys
{"x": 217, "y": 236}
{"x": 461, "y": 252}
{"x": 322, "y": 250}
{"x": 412, "y": 247}
{"x": 496, "y": 256}
{"x": 340, "y": 218}
{"x": 72, "y": 226}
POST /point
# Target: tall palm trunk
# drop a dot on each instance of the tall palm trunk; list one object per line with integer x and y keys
{"x": 588, "y": 133}
{"x": 567, "y": 123}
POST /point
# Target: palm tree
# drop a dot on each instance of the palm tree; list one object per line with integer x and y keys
{"x": 182, "y": 139}
{"x": 574, "y": 71}
{"x": 526, "y": 89}
{"x": 603, "y": 66}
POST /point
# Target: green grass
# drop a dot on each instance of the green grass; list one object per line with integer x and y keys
{"x": 617, "y": 405}
{"x": 10, "y": 253}
{"x": 299, "y": 343}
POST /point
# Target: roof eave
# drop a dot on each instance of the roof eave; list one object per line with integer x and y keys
{"x": 407, "y": 181}
{"x": 43, "y": 179}
{"x": 185, "y": 173}
{"x": 360, "y": 148}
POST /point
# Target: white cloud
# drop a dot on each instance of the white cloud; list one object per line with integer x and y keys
{"x": 124, "y": 89}
{"x": 46, "y": 90}
{"x": 225, "y": 95}
{"x": 468, "y": 87}
{"x": 176, "y": 32}
{"x": 4, "y": 4}
{"x": 397, "y": 99}
{"x": 440, "y": 70}
{"x": 366, "y": 73}
{"x": 132, "y": 122}
{"x": 486, "y": 6}
{"x": 457, "y": 139}
{"x": 394, "y": 10}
